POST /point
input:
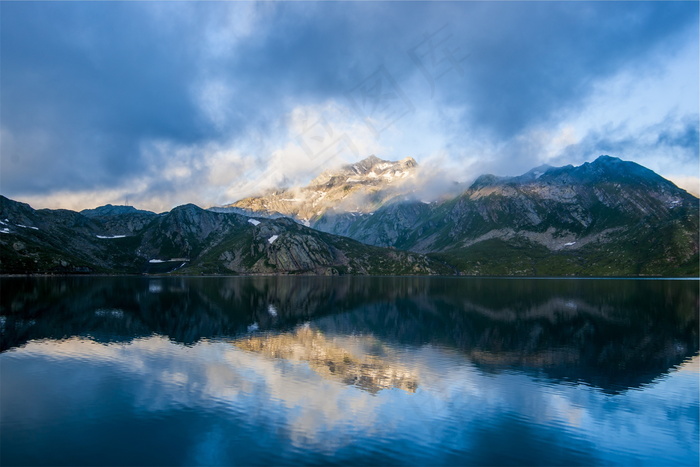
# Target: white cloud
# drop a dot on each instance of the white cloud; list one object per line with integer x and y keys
{"x": 214, "y": 99}
{"x": 326, "y": 415}
{"x": 624, "y": 116}
{"x": 232, "y": 23}
{"x": 311, "y": 139}
{"x": 78, "y": 200}
{"x": 303, "y": 143}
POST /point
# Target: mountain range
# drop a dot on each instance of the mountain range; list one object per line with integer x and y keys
{"x": 604, "y": 218}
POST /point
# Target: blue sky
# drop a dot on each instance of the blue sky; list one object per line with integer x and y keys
{"x": 169, "y": 103}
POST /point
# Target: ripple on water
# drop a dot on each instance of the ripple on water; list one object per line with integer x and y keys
{"x": 381, "y": 381}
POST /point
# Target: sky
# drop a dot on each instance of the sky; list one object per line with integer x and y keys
{"x": 158, "y": 104}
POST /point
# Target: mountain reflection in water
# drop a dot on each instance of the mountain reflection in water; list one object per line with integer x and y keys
{"x": 348, "y": 371}
{"x": 332, "y": 361}
{"x": 613, "y": 334}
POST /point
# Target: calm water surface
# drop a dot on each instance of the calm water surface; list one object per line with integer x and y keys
{"x": 380, "y": 371}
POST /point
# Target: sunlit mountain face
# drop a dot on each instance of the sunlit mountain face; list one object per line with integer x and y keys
{"x": 605, "y": 218}
{"x": 608, "y": 217}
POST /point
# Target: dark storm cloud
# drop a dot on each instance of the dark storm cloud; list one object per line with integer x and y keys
{"x": 686, "y": 136}
{"x": 86, "y": 85}
{"x": 529, "y": 61}
{"x": 672, "y": 142}
{"x": 82, "y": 84}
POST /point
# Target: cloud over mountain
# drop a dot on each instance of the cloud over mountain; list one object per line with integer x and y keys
{"x": 108, "y": 100}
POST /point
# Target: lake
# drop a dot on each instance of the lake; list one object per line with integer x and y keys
{"x": 348, "y": 371}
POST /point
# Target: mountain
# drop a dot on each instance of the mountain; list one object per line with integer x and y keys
{"x": 189, "y": 240}
{"x": 607, "y": 217}
{"x": 120, "y": 220}
{"x": 604, "y": 218}
{"x": 109, "y": 210}
{"x": 359, "y": 188}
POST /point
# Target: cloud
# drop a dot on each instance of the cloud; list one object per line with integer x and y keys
{"x": 670, "y": 147}
{"x": 689, "y": 183}
{"x": 647, "y": 113}
{"x": 93, "y": 93}
{"x": 451, "y": 410}
{"x": 92, "y": 90}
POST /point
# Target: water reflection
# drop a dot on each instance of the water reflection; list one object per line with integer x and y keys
{"x": 216, "y": 403}
{"x": 332, "y": 361}
{"x": 280, "y": 371}
{"x": 614, "y": 334}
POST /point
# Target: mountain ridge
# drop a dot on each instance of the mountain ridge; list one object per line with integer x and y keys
{"x": 186, "y": 240}
{"x": 606, "y": 217}
{"x": 357, "y": 187}
{"x": 554, "y": 220}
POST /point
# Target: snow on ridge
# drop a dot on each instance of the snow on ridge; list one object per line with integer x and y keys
{"x": 570, "y": 243}
{"x": 167, "y": 260}
{"x": 5, "y": 230}
{"x": 105, "y": 236}
{"x": 27, "y": 227}
{"x": 272, "y": 239}
{"x": 254, "y": 222}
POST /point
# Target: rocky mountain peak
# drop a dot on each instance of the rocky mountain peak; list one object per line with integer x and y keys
{"x": 369, "y": 170}
{"x": 605, "y": 159}
{"x": 355, "y": 187}
{"x": 606, "y": 217}
{"x": 111, "y": 210}
{"x": 365, "y": 165}
{"x": 373, "y": 163}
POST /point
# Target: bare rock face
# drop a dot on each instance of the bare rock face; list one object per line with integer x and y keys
{"x": 359, "y": 188}
{"x": 187, "y": 240}
{"x": 605, "y": 217}
{"x": 608, "y": 217}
